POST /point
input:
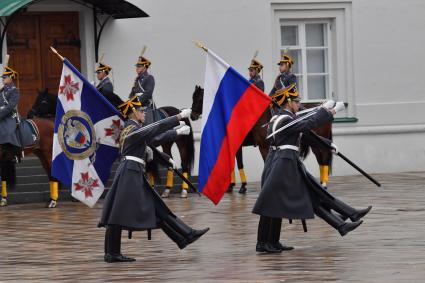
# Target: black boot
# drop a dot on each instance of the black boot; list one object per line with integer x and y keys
{"x": 360, "y": 214}
{"x": 347, "y": 227}
{"x": 230, "y": 188}
{"x": 173, "y": 235}
{"x": 242, "y": 190}
{"x": 263, "y": 236}
{"x": 190, "y": 235}
{"x": 336, "y": 222}
{"x": 267, "y": 248}
{"x": 113, "y": 248}
{"x": 274, "y": 236}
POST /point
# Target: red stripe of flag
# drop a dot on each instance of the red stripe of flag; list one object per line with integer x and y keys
{"x": 247, "y": 111}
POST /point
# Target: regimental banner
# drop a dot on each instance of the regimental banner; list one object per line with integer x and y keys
{"x": 86, "y": 136}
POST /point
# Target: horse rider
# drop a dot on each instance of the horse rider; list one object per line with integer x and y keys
{"x": 9, "y": 116}
{"x": 286, "y": 78}
{"x": 105, "y": 85}
{"x": 143, "y": 87}
{"x": 254, "y": 70}
{"x": 288, "y": 190}
{"x": 131, "y": 203}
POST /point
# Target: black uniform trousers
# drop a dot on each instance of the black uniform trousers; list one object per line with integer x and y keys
{"x": 178, "y": 231}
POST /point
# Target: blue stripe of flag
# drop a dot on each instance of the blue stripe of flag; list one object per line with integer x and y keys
{"x": 105, "y": 156}
{"x": 59, "y": 113}
{"x": 62, "y": 168}
{"x": 231, "y": 89}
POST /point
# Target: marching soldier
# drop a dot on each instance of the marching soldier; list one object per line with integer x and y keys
{"x": 9, "y": 116}
{"x": 288, "y": 190}
{"x": 131, "y": 204}
{"x": 144, "y": 86}
{"x": 105, "y": 85}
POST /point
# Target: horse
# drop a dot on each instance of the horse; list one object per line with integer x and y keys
{"x": 258, "y": 136}
{"x": 45, "y": 106}
{"x": 42, "y": 148}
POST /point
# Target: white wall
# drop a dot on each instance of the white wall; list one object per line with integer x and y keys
{"x": 385, "y": 42}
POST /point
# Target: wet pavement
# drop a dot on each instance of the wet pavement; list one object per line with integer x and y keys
{"x": 39, "y": 245}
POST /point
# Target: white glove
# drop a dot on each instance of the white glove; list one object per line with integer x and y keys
{"x": 183, "y": 130}
{"x": 273, "y": 118}
{"x": 329, "y": 104}
{"x": 182, "y": 123}
{"x": 185, "y": 113}
{"x": 334, "y": 148}
{"x": 149, "y": 154}
{"x": 339, "y": 106}
{"x": 173, "y": 163}
{"x": 138, "y": 94}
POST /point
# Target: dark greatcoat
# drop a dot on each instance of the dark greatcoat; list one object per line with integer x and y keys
{"x": 131, "y": 202}
{"x": 282, "y": 81}
{"x": 9, "y": 98}
{"x": 285, "y": 183}
{"x": 106, "y": 88}
{"x": 145, "y": 84}
{"x": 257, "y": 81}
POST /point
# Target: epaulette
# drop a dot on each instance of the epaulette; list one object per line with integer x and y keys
{"x": 124, "y": 133}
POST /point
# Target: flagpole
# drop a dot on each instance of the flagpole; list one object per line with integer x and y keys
{"x": 57, "y": 53}
{"x": 203, "y": 47}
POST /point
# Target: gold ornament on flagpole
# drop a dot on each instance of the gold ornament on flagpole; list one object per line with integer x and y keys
{"x": 200, "y": 45}
{"x": 57, "y": 53}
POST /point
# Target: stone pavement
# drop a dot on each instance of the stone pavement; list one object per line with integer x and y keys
{"x": 64, "y": 244}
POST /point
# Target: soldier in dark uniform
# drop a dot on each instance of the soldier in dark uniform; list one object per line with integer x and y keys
{"x": 254, "y": 74}
{"x": 285, "y": 79}
{"x": 9, "y": 116}
{"x": 131, "y": 204}
{"x": 143, "y": 88}
{"x": 105, "y": 85}
{"x": 288, "y": 190}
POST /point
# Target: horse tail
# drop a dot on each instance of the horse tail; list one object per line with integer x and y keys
{"x": 190, "y": 143}
{"x": 304, "y": 149}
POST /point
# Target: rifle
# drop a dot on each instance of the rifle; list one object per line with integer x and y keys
{"x": 170, "y": 166}
{"x": 318, "y": 138}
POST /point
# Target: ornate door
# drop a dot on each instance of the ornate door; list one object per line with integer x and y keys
{"x": 29, "y": 38}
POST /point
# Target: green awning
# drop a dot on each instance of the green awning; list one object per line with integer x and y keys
{"x": 118, "y": 9}
{"x": 8, "y": 7}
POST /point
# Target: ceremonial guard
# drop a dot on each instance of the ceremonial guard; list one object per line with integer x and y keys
{"x": 131, "y": 204}
{"x": 285, "y": 79}
{"x": 144, "y": 85}
{"x": 105, "y": 85}
{"x": 9, "y": 116}
{"x": 288, "y": 190}
{"x": 254, "y": 70}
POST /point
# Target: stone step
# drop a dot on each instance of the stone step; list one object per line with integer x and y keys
{"x": 33, "y": 185}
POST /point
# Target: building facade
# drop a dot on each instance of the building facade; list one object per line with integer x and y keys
{"x": 367, "y": 53}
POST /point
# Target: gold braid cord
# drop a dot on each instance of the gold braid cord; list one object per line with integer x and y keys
{"x": 124, "y": 133}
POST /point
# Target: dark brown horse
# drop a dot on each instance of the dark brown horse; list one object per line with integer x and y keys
{"x": 257, "y": 136}
{"x": 42, "y": 148}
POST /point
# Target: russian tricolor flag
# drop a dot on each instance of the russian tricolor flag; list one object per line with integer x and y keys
{"x": 231, "y": 107}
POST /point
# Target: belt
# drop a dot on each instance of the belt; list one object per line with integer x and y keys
{"x": 285, "y": 146}
{"x": 134, "y": 158}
